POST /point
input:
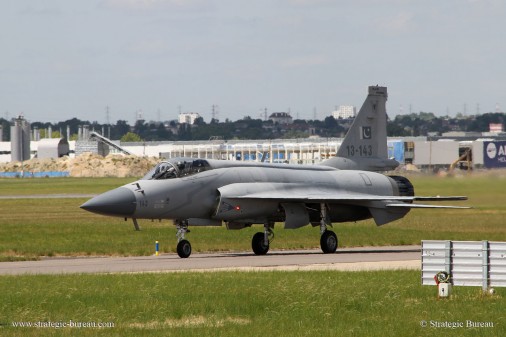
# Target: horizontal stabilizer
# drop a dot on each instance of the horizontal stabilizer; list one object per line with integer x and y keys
{"x": 425, "y": 206}
{"x": 438, "y": 198}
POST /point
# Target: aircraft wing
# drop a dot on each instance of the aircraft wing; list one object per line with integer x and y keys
{"x": 383, "y": 208}
{"x": 316, "y": 193}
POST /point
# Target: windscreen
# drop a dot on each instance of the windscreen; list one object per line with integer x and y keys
{"x": 177, "y": 168}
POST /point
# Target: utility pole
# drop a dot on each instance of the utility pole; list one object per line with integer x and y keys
{"x": 214, "y": 112}
{"x": 107, "y": 115}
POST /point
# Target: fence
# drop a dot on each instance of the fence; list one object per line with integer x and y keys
{"x": 469, "y": 263}
{"x": 26, "y": 174}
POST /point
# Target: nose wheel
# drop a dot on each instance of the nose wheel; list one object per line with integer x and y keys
{"x": 184, "y": 248}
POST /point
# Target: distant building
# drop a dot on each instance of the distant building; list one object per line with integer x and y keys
{"x": 345, "y": 112}
{"x": 496, "y": 127}
{"x": 188, "y": 117}
{"x": 281, "y": 118}
{"x": 52, "y": 148}
{"x": 20, "y": 139}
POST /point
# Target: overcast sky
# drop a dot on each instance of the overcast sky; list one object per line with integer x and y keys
{"x": 61, "y": 59}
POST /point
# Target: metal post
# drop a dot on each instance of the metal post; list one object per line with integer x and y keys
{"x": 485, "y": 265}
{"x": 448, "y": 257}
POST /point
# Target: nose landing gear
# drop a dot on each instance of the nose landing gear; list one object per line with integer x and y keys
{"x": 184, "y": 248}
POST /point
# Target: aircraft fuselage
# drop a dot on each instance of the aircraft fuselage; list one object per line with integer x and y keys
{"x": 217, "y": 195}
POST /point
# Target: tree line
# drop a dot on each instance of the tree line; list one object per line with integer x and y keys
{"x": 415, "y": 124}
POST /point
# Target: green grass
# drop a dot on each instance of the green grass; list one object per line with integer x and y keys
{"x": 17, "y": 186}
{"x": 245, "y": 304}
{"x": 235, "y": 303}
{"x": 30, "y": 228}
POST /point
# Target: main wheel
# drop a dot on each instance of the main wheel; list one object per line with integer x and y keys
{"x": 184, "y": 249}
{"x": 258, "y": 244}
{"x": 328, "y": 242}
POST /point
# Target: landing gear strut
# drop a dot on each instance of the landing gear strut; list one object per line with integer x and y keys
{"x": 184, "y": 248}
{"x": 328, "y": 239}
{"x": 260, "y": 242}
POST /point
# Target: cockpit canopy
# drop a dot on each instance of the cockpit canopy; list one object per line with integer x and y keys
{"x": 177, "y": 168}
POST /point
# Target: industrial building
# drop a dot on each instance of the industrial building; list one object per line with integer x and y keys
{"x": 52, "y": 148}
{"x": 20, "y": 139}
{"x": 345, "y": 112}
{"x": 188, "y": 117}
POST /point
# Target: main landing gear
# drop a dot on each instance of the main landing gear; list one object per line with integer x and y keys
{"x": 184, "y": 248}
{"x": 328, "y": 239}
{"x": 260, "y": 242}
{"x": 328, "y": 242}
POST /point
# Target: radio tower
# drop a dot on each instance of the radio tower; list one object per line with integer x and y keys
{"x": 214, "y": 112}
{"x": 107, "y": 116}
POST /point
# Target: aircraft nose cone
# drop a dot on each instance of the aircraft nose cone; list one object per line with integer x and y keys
{"x": 118, "y": 202}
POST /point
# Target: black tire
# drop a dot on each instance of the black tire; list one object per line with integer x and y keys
{"x": 328, "y": 242}
{"x": 184, "y": 249}
{"x": 258, "y": 245}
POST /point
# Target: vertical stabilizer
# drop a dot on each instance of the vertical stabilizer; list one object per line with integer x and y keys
{"x": 365, "y": 145}
{"x": 367, "y": 136}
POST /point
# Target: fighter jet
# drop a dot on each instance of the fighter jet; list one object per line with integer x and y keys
{"x": 205, "y": 192}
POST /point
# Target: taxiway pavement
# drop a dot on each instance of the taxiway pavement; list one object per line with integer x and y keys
{"x": 363, "y": 258}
